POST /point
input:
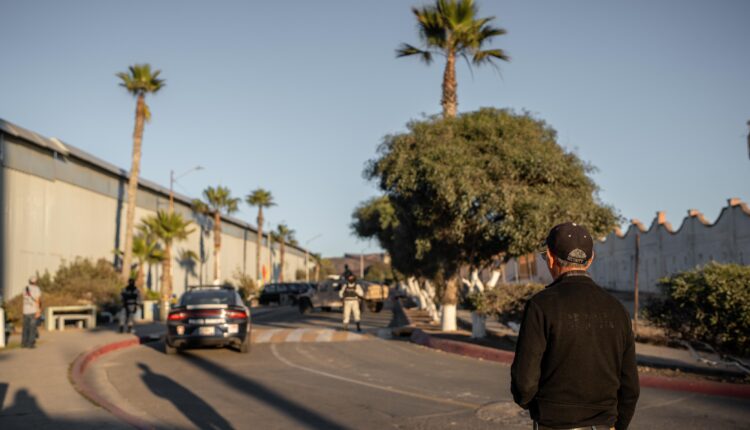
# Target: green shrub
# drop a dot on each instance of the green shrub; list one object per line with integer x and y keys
{"x": 245, "y": 285}
{"x": 506, "y": 302}
{"x": 78, "y": 282}
{"x": 709, "y": 304}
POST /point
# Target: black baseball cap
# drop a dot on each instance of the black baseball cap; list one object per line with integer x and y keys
{"x": 570, "y": 242}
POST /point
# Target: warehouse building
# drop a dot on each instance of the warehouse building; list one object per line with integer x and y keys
{"x": 60, "y": 203}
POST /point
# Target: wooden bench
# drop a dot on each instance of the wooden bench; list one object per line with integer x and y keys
{"x": 55, "y": 317}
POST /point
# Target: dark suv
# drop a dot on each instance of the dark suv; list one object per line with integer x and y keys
{"x": 209, "y": 316}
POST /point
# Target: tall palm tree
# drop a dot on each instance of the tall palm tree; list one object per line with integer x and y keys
{"x": 452, "y": 29}
{"x": 259, "y": 198}
{"x": 218, "y": 201}
{"x": 168, "y": 228}
{"x": 139, "y": 80}
{"x": 283, "y": 235}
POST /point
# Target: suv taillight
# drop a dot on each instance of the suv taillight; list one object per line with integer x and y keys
{"x": 235, "y": 315}
{"x": 177, "y": 316}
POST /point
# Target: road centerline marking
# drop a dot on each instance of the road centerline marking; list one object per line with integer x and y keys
{"x": 451, "y": 402}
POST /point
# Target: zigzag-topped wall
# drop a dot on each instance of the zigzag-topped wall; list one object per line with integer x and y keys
{"x": 665, "y": 251}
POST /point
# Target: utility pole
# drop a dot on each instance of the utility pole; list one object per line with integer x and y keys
{"x": 635, "y": 289}
{"x": 172, "y": 180}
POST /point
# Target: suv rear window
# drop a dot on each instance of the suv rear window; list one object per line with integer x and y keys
{"x": 208, "y": 297}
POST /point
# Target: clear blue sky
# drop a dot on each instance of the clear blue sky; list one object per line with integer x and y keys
{"x": 295, "y": 96}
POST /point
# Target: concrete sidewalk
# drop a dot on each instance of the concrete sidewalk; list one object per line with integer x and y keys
{"x": 646, "y": 354}
{"x": 35, "y": 391}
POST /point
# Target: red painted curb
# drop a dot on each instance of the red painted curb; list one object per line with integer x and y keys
{"x": 462, "y": 348}
{"x": 712, "y": 388}
{"x": 78, "y": 370}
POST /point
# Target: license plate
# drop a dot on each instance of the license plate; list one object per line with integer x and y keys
{"x": 233, "y": 328}
{"x": 207, "y": 331}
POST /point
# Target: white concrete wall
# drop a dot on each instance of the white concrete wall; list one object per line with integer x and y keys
{"x": 48, "y": 218}
{"x": 664, "y": 251}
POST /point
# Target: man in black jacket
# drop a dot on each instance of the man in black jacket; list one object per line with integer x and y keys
{"x": 575, "y": 357}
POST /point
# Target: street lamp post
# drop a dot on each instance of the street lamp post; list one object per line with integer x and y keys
{"x": 173, "y": 179}
{"x": 307, "y": 256}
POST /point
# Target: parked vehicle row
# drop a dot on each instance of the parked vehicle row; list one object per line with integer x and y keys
{"x": 286, "y": 293}
{"x": 325, "y": 296}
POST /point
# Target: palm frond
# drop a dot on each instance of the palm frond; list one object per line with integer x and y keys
{"x": 406, "y": 50}
{"x": 487, "y": 56}
{"x": 261, "y": 198}
{"x": 140, "y": 80}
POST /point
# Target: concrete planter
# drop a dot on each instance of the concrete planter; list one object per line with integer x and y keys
{"x": 478, "y": 325}
{"x": 150, "y": 311}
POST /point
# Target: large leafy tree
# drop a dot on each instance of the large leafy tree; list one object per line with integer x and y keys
{"x": 260, "y": 198}
{"x": 168, "y": 227}
{"x": 466, "y": 191}
{"x": 139, "y": 81}
{"x": 283, "y": 235}
{"x": 217, "y": 201}
{"x": 451, "y": 28}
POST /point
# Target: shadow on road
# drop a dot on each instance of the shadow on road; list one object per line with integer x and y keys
{"x": 306, "y": 417}
{"x": 25, "y": 413}
{"x": 193, "y": 407}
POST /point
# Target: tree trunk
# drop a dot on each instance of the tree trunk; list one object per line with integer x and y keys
{"x": 166, "y": 274}
{"x": 259, "y": 245}
{"x": 450, "y": 298}
{"x": 450, "y": 99}
{"x": 478, "y": 325}
{"x": 281, "y": 261}
{"x": 217, "y": 246}
{"x": 139, "y": 276}
{"x": 135, "y": 167}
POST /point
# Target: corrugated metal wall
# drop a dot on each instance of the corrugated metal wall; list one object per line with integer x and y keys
{"x": 59, "y": 208}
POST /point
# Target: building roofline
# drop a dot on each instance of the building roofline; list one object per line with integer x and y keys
{"x": 58, "y": 146}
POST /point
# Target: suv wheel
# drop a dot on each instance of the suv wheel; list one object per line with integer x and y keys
{"x": 169, "y": 349}
{"x": 305, "y": 306}
{"x": 245, "y": 345}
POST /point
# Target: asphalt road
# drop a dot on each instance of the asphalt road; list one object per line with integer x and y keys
{"x": 302, "y": 377}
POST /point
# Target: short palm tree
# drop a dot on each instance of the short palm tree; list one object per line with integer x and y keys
{"x": 144, "y": 248}
{"x": 451, "y": 28}
{"x": 217, "y": 201}
{"x": 259, "y": 198}
{"x": 283, "y": 235}
{"x": 168, "y": 228}
{"x": 139, "y": 80}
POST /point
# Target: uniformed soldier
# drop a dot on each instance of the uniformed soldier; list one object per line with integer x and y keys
{"x": 351, "y": 292}
{"x": 131, "y": 301}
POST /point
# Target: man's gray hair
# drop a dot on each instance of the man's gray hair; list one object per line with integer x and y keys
{"x": 569, "y": 264}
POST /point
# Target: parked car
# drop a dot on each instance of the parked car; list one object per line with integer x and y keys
{"x": 274, "y": 293}
{"x": 297, "y": 289}
{"x": 325, "y": 296}
{"x": 209, "y": 316}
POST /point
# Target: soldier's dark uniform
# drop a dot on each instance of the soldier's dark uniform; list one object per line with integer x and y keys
{"x": 131, "y": 301}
